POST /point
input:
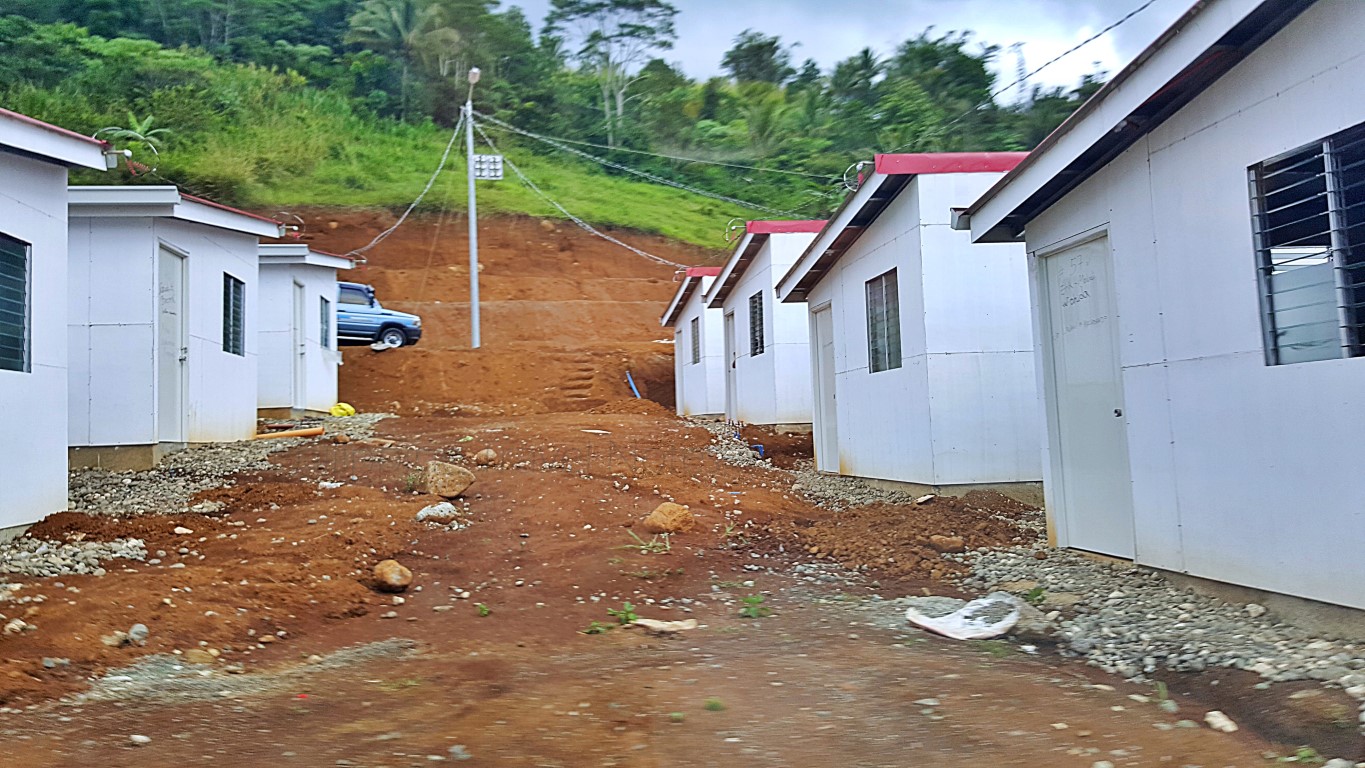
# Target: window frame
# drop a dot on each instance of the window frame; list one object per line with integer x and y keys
{"x": 756, "y": 323}
{"x": 695, "y": 326}
{"x": 1350, "y": 316}
{"x": 234, "y": 315}
{"x": 24, "y": 338}
{"x": 887, "y": 318}
{"x": 344, "y": 290}
{"x": 325, "y": 322}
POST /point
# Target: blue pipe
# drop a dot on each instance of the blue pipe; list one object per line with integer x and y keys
{"x": 631, "y": 381}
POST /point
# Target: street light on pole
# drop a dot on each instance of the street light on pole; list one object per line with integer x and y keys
{"x": 473, "y": 214}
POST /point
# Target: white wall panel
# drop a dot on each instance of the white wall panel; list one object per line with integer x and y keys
{"x": 1240, "y": 470}
{"x": 33, "y": 464}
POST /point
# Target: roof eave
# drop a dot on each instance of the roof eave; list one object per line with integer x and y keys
{"x": 734, "y": 269}
{"x": 33, "y": 138}
{"x": 1125, "y": 110}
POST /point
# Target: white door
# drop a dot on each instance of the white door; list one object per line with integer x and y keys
{"x": 300, "y": 385}
{"x": 679, "y": 374}
{"x": 825, "y": 413}
{"x": 1095, "y": 497}
{"x": 731, "y": 391}
{"x": 171, "y": 347}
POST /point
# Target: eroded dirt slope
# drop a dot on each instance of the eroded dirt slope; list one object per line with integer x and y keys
{"x": 564, "y": 315}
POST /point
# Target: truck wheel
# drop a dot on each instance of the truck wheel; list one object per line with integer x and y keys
{"x": 394, "y": 337}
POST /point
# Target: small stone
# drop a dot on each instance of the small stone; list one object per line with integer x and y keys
{"x": 115, "y": 639}
{"x": 181, "y": 530}
{"x": 1255, "y": 611}
{"x": 1338, "y": 762}
{"x": 139, "y": 740}
{"x": 1220, "y": 722}
{"x": 443, "y": 512}
{"x": 392, "y": 576}
{"x": 1101, "y": 764}
{"x": 138, "y": 634}
{"x": 485, "y": 457}
{"x": 448, "y": 480}
{"x": 198, "y": 656}
{"x": 947, "y": 544}
{"x": 459, "y": 752}
{"x": 927, "y": 702}
{"x": 1169, "y": 706}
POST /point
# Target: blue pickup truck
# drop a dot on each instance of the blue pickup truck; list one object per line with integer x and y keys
{"x": 361, "y": 320}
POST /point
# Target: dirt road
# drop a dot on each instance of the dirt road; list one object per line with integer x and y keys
{"x": 484, "y": 660}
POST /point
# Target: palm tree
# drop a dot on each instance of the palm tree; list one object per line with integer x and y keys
{"x": 397, "y": 27}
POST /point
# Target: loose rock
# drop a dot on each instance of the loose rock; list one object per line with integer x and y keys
{"x": 485, "y": 457}
{"x": 670, "y": 518}
{"x": 392, "y": 576}
{"x": 1220, "y": 722}
{"x": 448, "y": 480}
{"x": 952, "y": 544}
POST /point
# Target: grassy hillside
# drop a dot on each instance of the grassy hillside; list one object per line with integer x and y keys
{"x": 256, "y": 137}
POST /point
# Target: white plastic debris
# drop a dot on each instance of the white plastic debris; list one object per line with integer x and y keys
{"x": 981, "y": 619}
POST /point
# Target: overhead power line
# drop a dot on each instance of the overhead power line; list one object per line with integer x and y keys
{"x": 585, "y": 226}
{"x": 679, "y": 158}
{"x": 635, "y": 171}
{"x": 1025, "y": 78}
{"x": 455, "y": 134}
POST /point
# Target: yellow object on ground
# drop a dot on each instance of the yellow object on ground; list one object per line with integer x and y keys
{"x": 343, "y": 409}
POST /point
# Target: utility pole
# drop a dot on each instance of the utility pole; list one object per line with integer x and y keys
{"x": 473, "y": 214}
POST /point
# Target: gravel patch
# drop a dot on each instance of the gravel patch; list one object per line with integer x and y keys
{"x": 168, "y": 678}
{"x": 1132, "y": 621}
{"x": 167, "y": 489}
{"x": 38, "y": 558}
{"x": 726, "y": 445}
{"x": 839, "y": 492}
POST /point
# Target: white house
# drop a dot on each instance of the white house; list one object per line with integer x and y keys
{"x": 161, "y": 323}
{"x": 297, "y": 355}
{"x": 766, "y": 358}
{"x": 1196, "y": 239}
{"x": 921, "y": 343}
{"x": 698, "y": 375}
{"x": 34, "y": 160}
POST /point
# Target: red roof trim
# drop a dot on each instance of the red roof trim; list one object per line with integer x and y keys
{"x": 948, "y": 162}
{"x": 702, "y": 271}
{"x": 33, "y": 121}
{"x": 782, "y": 227}
{"x": 228, "y": 208}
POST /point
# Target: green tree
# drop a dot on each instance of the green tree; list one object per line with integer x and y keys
{"x": 757, "y": 58}
{"x": 614, "y": 37}
{"x": 398, "y": 28}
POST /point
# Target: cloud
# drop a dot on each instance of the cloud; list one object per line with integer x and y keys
{"x": 830, "y": 31}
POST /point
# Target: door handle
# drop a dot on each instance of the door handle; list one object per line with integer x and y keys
{"x": 1118, "y": 413}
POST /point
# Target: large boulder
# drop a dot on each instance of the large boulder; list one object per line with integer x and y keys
{"x": 391, "y": 576}
{"x": 448, "y": 480}
{"x": 670, "y": 518}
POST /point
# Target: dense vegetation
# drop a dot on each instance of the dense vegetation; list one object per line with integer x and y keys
{"x": 349, "y": 102}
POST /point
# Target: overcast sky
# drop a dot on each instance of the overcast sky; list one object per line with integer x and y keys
{"x": 830, "y": 30}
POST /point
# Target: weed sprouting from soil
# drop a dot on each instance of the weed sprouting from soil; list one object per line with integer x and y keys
{"x": 754, "y": 608}
{"x": 623, "y": 615}
{"x": 483, "y": 609}
{"x": 657, "y": 545}
{"x": 714, "y": 704}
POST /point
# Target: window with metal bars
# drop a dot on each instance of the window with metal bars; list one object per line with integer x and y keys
{"x": 883, "y": 323}
{"x": 14, "y": 304}
{"x": 234, "y": 315}
{"x": 756, "y": 324}
{"x": 1308, "y": 220}
{"x": 696, "y": 340}
{"x": 325, "y": 327}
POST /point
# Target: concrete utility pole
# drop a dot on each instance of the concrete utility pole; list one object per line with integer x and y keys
{"x": 473, "y": 214}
